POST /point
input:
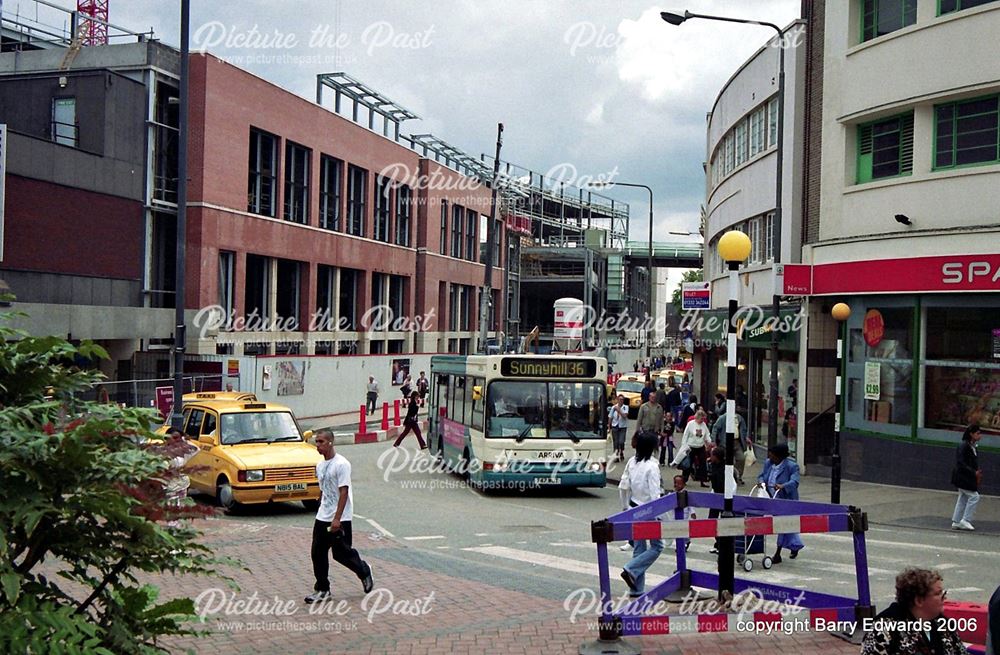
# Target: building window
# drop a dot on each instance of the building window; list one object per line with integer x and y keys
{"x": 772, "y": 122}
{"x": 444, "y": 227}
{"x": 258, "y": 288}
{"x": 324, "y": 320}
{"x": 757, "y": 136}
{"x": 962, "y": 374}
{"x": 894, "y": 355}
{"x": 966, "y": 133}
{"x": 297, "y": 183}
{"x": 404, "y": 207}
{"x": 881, "y": 17}
{"x": 347, "y": 303}
{"x": 383, "y": 200}
{"x": 757, "y": 239}
{"x": 397, "y": 296}
{"x": 263, "y": 177}
{"x": 741, "y": 142}
{"x": 885, "y": 148}
{"x": 730, "y": 153}
{"x": 226, "y": 271}
{"x": 949, "y": 6}
{"x": 287, "y": 294}
{"x": 64, "y": 128}
{"x": 470, "y": 235}
{"x": 357, "y": 184}
{"x": 457, "y": 218}
{"x": 331, "y": 173}
{"x": 769, "y": 237}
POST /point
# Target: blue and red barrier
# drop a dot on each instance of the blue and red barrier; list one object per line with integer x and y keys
{"x": 763, "y": 516}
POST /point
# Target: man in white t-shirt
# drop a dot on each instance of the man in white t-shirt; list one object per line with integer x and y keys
{"x": 332, "y": 529}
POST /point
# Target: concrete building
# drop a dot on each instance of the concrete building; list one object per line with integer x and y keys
{"x": 907, "y": 232}
{"x": 741, "y": 154}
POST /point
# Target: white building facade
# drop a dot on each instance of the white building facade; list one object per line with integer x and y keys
{"x": 908, "y": 232}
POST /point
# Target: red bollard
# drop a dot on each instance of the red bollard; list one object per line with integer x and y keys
{"x": 363, "y": 420}
{"x": 385, "y": 416}
{"x": 395, "y": 410}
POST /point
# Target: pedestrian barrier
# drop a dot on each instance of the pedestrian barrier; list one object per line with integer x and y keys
{"x": 764, "y": 516}
{"x": 976, "y": 617}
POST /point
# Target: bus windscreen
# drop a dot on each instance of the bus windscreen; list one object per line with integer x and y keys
{"x": 540, "y": 410}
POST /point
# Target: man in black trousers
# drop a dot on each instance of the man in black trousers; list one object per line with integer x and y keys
{"x": 332, "y": 529}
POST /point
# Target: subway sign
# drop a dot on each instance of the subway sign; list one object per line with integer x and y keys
{"x": 527, "y": 367}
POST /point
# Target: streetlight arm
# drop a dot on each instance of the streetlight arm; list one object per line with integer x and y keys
{"x": 746, "y": 21}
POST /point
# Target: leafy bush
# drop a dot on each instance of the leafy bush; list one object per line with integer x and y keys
{"x": 83, "y": 511}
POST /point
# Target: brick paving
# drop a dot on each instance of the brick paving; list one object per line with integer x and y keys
{"x": 464, "y": 616}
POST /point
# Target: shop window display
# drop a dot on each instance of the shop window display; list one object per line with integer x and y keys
{"x": 962, "y": 368}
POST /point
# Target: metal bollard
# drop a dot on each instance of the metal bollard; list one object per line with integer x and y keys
{"x": 385, "y": 416}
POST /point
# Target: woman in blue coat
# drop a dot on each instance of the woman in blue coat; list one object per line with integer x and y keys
{"x": 781, "y": 477}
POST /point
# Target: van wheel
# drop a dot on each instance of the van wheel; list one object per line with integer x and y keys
{"x": 224, "y": 495}
{"x": 311, "y": 505}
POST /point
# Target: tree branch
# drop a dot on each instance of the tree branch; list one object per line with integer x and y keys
{"x": 115, "y": 572}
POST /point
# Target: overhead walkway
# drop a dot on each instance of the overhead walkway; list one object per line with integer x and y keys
{"x": 681, "y": 254}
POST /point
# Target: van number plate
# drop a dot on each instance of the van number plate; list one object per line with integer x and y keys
{"x": 291, "y": 486}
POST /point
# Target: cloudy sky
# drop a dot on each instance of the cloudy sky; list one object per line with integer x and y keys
{"x": 604, "y": 88}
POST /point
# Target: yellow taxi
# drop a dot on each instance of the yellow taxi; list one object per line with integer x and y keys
{"x": 250, "y": 452}
{"x": 667, "y": 376}
{"x": 631, "y": 386}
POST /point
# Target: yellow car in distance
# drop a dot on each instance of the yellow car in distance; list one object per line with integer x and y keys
{"x": 631, "y": 386}
{"x": 667, "y": 376}
{"x": 250, "y": 452}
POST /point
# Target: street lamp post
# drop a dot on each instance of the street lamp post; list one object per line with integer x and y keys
{"x": 649, "y": 257}
{"x": 772, "y": 403}
{"x": 180, "y": 327}
{"x": 734, "y": 248}
{"x": 840, "y": 312}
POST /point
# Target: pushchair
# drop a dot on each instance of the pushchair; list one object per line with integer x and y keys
{"x": 752, "y": 544}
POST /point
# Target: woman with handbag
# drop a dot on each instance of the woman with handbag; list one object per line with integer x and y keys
{"x": 411, "y": 422}
{"x": 966, "y": 476}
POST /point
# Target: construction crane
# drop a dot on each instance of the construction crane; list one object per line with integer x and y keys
{"x": 93, "y": 32}
{"x": 89, "y": 31}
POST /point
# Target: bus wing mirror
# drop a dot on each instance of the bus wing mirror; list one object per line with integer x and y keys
{"x": 477, "y": 392}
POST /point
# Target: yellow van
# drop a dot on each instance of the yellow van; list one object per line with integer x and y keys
{"x": 250, "y": 452}
{"x": 631, "y": 386}
{"x": 667, "y": 376}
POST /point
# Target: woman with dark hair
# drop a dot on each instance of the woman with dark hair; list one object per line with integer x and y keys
{"x": 411, "y": 421}
{"x": 644, "y": 486}
{"x": 966, "y": 477}
{"x": 911, "y": 624}
{"x": 781, "y": 478}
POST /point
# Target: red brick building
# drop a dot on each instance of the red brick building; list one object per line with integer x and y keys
{"x": 297, "y": 213}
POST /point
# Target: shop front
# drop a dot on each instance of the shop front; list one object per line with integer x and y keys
{"x": 753, "y": 372}
{"x": 922, "y": 362}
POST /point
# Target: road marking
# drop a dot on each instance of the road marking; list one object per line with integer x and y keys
{"x": 443, "y": 547}
{"x": 904, "y": 544}
{"x": 380, "y": 528}
{"x": 590, "y": 568}
{"x": 964, "y": 589}
{"x": 482, "y": 534}
{"x": 427, "y": 538}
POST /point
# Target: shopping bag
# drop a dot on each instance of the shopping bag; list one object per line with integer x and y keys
{"x": 750, "y": 459}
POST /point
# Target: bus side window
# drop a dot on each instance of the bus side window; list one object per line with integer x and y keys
{"x": 442, "y": 394}
{"x": 457, "y": 404}
{"x": 477, "y": 405}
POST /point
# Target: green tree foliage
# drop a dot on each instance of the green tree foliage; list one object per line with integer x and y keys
{"x": 694, "y": 275}
{"x": 83, "y": 511}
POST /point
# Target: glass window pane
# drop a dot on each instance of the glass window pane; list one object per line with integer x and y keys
{"x": 897, "y": 337}
{"x": 973, "y": 397}
{"x": 962, "y": 333}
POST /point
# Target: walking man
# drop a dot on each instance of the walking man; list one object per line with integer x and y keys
{"x": 372, "y": 398}
{"x": 332, "y": 529}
